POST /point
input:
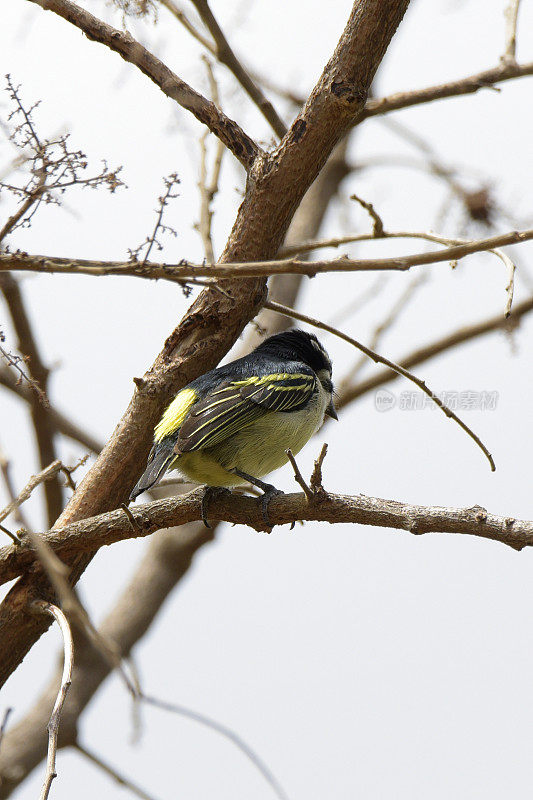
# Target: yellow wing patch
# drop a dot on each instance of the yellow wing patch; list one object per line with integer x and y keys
{"x": 175, "y": 413}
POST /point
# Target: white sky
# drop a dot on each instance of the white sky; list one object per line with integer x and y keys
{"x": 358, "y": 662}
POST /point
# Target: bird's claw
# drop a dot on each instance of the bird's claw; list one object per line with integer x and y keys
{"x": 210, "y": 493}
{"x": 269, "y": 492}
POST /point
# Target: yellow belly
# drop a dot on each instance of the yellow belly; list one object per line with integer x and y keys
{"x": 257, "y": 450}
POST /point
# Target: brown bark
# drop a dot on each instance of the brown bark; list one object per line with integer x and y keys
{"x": 276, "y": 185}
{"x": 169, "y": 555}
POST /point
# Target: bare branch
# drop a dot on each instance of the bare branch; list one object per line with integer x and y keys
{"x": 250, "y": 754}
{"x": 17, "y": 513}
{"x": 209, "y": 187}
{"x": 316, "y": 476}
{"x": 246, "y": 269}
{"x": 290, "y": 312}
{"x": 511, "y": 20}
{"x": 382, "y": 327}
{"x": 71, "y": 605}
{"x": 42, "y": 422}
{"x": 298, "y": 477}
{"x": 96, "y": 532}
{"x": 422, "y": 354}
{"x": 112, "y": 772}
{"x": 215, "y": 320}
{"x": 40, "y": 606}
{"x": 377, "y": 227}
{"x": 159, "y": 227}
{"x": 184, "y": 20}
{"x": 226, "y": 56}
{"x": 468, "y": 85}
{"x": 235, "y": 139}
{"x": 45, "y": 475}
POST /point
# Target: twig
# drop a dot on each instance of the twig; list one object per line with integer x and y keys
{"x": 209, "y": 188}
{"x": 149, "y": 242}
{"x": 226, "y": 56}
{"x": 378, "y": 359}
{"x": 44, "y": 475}
{"x": 14, "y": 538}
{"x": 39, "y": 372}
{"x": 377, "y": 227}
{"x": 3, "y": 726}
{"x": 511, "y": 19}
{"x": 112, "y": 772}
{"x": 17, "y": 513}
{"x": 316, "y": 476}
{"x": 428, "y": 351}
{"x": 52, "y": 264}
{"x": 184, "y": 20}
{"x": 235, "y": 139}
{"x": 58, "y": 574}
{"x": 40, "y": 606}
{"x": 299, "y": 478}
{"x": 384, "y": 326}
{"x": 468, "y": 85}
{"x": 14, "y": 361}
{"x": 250, "y": 754}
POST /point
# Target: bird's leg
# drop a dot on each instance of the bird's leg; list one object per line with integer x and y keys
{"x": 268, "y": 490}
{"x": 210, "y": 493}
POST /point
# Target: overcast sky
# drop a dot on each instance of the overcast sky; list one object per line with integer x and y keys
{"x": 358, "y": 662}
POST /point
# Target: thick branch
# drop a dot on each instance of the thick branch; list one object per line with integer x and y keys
{"x": 286, "y": 266}
{"x": 235, "y": 139}
{"x": 42, "y": 421}
{"x": 91, "y": 534}
{"x": 274, "y": 191}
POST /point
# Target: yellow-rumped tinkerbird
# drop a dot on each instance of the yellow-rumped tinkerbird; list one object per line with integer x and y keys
{"x": 235, "y": 423}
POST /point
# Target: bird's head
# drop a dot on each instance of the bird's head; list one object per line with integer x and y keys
{"x": 299, "y": 345}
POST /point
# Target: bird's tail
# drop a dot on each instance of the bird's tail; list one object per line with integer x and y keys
{"x": 158, "y": 461}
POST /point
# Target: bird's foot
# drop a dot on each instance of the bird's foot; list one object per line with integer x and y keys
{"x": 211, "y": 493}
{"x": 269, "y": 492}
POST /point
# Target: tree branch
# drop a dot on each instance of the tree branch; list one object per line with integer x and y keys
{"x": 228, "y": 131}
{"x": 460, "y": 336}
{"x": 287, "y": 266}
{"x": 469, "y": 85}
{"x": 226, "y": 56}
{"x": 91, "y": 534}
{"x": 42, "y": 421}
{"x": 215, "y": 320}
{"x": 40, "y": 606}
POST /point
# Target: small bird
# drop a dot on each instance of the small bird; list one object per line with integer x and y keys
{"x": 235, "y": 423}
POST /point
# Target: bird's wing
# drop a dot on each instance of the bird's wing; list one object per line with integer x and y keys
{"x": 236, "y": 404}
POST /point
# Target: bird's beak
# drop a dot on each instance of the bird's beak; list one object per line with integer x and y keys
{"x": 331, "y": 411}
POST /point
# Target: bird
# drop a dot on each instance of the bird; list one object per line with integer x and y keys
{"x": 235, "y": 424}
